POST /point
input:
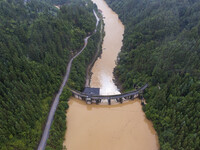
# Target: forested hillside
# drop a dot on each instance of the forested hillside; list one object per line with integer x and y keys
{"x": 76, "y": 81}
{"x": 36, "y": 42}
{"x": 162, "y": 48}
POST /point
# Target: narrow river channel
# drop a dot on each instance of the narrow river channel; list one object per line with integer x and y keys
{"x": 103, "y": 127}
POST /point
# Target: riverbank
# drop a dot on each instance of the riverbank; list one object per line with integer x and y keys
{"x": 77, "y": 79}
{"x": 56, "y": 100}
{"x": 57, "y": 131}
{"x": 97, "y": 54}
{"x": 102, "y": 76}
{"x": 160, "y": 49}
{"x": 103, "y": 127}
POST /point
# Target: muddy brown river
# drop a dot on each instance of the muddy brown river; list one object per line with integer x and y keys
{"x": 103, "y": 127}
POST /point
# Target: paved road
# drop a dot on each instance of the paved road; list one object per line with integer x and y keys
{"x": 45, "y": 134}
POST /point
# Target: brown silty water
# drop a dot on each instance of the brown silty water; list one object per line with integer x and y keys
{"x": 103, "y": 127}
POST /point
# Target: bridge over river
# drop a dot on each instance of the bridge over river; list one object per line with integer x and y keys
{"x": 120, "y": 98}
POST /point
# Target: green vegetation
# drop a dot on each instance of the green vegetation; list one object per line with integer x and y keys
{"x": 58, "y": 127}
{"x": 79, "y": 66}
{"x": 36, "y": 43}
{"x": 77, "y": 76}
{"x": 162, "y": 48}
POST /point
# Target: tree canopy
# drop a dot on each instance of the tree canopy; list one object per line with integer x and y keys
{"x": 37, "y": 40}
{"x": 161, "y": 47}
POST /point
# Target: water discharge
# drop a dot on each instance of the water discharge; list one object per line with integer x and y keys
{"x": 103, "y": 127}
{"x": 103, "y": 69}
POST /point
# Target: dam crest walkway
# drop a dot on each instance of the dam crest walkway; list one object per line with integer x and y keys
{"x": 120, "y": 98}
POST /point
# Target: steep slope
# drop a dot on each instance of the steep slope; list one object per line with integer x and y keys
{"x": 36, "y": 43}
{"x": 162, "y": 47}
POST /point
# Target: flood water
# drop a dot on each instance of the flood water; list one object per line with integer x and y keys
{"x": 103, "y": 69}
{"x": 104, "y": 127}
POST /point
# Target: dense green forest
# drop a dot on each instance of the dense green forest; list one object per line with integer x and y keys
{"x": 78, "y": 71}
{"x": 76, "y": 81}
{"x": 161, "y": 47}
{"x": 37, "y": 40}
{"x": 58, "y": 127}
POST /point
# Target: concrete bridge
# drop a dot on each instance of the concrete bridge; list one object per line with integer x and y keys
{"x": 120, "y": 98}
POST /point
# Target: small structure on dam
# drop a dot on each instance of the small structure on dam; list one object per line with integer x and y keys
{"x": 91, "y": 95}
{"x": 91, "y": 91}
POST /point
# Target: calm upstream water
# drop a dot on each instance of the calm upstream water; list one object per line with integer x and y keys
{"x": 104, "y": 127}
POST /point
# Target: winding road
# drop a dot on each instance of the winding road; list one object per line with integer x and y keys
{"x": 45, "y": 134}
